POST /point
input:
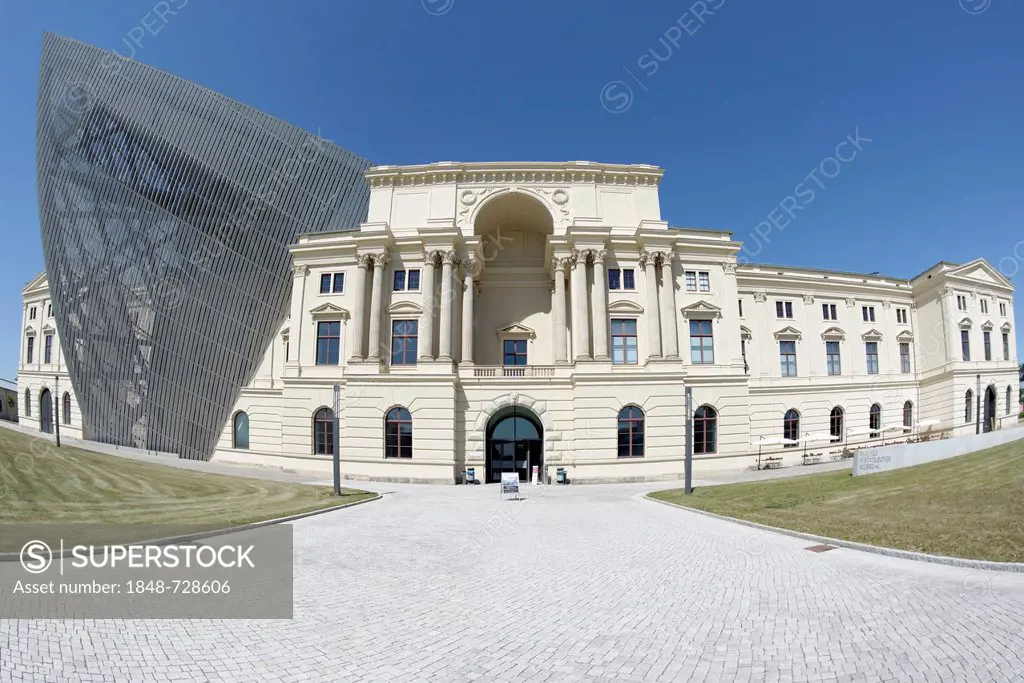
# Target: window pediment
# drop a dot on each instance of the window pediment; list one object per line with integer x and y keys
{"x": 905, "y": 336}
{"x": 329, "y": 311}
{"x": 788, "y": 332}
{"x": 701, "y": 309}
{"x": 833, "y": 334}
{"x": 625, "y": 306}
{"x": 871, "y": 335}
{"x": 987, "y": 325}
{"x": 966, "y": 323}
{"x": 516, "y": 331}
{"x": 405, "y": 308}
{"x": 48, "y": 329}
{"x": 30, "y": 331}
{"x": 745, "y": 333}
{"x": 1005, "y": 327}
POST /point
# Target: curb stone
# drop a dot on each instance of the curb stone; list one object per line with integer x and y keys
{"x": 11, "y": 557}
{"x": 961, "y": 562}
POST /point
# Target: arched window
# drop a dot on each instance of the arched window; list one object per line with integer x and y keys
{"x": 875, "y": 420}
{"x": 28, "y": 403}
{"x": 791, "y": 427}
{"x": 835, "y": 425}
{"x": 65, "y": 408}
{"x": 240, "y": 431}
{"x": 1009, "y": 400}
{"x": 705, "y": 430}
{"x": 969, "y": 406}
{"x": 398, "y": 433}
{"x": 908, "y": 415}
{"x": 323, "y": 432}
{"x": 631, "y": 432}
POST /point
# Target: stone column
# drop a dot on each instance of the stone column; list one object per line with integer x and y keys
{"x": 380, "y": 262}
{"x": 580, "y": 317}
{"x": 600, "y": 307}
{"x": 299, "y": 274}
{"x": 558, "y": 310}
{"x": 469, "y": 267}
{"x": 667, "y": 300}
{"x": 651, "y": 312}
{"x": 449, "y": 260}
{"x": 426, "y": 326}
{"x": 363, "y": 262}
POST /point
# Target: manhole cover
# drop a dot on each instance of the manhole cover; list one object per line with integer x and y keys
{"x": 820, "y": 548}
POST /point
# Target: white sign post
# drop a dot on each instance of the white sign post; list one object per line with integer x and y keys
{"x": 510, "y": 483}
{"x": 533, "y": 476}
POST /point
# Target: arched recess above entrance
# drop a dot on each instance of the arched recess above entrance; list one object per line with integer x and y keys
{"x": 479, "y": 208}
{"x": 502, "y": 405}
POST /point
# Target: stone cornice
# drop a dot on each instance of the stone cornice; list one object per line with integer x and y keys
{"x": 515, "y": 172}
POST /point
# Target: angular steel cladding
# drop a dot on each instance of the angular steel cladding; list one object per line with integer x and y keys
{"x": 166, "y": 212}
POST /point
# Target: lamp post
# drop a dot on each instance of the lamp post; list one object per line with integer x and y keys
{"x": 688, "y": 488}
{"x": 56, "y": 409}
{"x": 335, "y": 440}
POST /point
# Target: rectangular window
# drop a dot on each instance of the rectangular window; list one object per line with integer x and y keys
{"x": 905, "y": 358}
{"x": 986, "y": 338}
{"x": 48, "y": 348}
{"x": 1002, "y": 309}
{"x": 514, "y": 352}
{"x": 703, "y": 281}
{"x": 1006, "y": 346}
{"x": 828, "y": 312}
{"x": 403, "y": 342}
{"x": 332, "y": 283}
{"x": 702, "y": 347}
{"x": 984, "y": 305}
{"x": 868, "y": 312}
{"x": 961, "y": 302}
{"x": 49, "y": 310}
{"x": 784, "y": 309}
{"x": 871, "y": 350}
{"x": 628, "y": 279}
{"x": 965, "y": 344}
{"x": 740, "y": 302}
{"x": 787, "y": 353}
{"x": 614, "y": 278}
{"x": 691, "y": 280}
{"x": 32, "y": 313}
{"x": 406, "y": 280}
{"x": 30, "y": 348}
{"x": 328, "y": 342}
{"x": 901, "y": 316}
{"x": 624, "y": 342}
{"x": 832, "y": 358}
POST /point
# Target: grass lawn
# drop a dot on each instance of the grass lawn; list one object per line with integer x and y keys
{"x": 971, "y": 506}
{"x": 40, "y": 483}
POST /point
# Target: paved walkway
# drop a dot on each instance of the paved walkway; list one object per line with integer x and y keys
{"x": 572, "y": 584}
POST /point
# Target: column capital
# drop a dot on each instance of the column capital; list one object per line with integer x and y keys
{"x": 432, "y": 256}
{"x": 577, "y": 257}
{"x": 300, "y": 270}
{"x": 560, "y": 263}
{"x": 364, "y": 260}
{"x": 600, "y": 255}
{"x": 472, "y": 266}
{"x": 647, "y": 257}
{"x": 381, "y": 259}
{"x": 450, "y": 258}
{"x": 729, "y": 267}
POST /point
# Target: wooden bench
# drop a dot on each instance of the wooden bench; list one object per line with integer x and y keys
{"x": 812, "y": 458}
{"x": 771, "y": 463}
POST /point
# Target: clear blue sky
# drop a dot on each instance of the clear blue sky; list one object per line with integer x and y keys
{"x": 754, "y": 97}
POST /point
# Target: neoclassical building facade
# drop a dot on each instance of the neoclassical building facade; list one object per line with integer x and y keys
{"x": 502, "y": 316}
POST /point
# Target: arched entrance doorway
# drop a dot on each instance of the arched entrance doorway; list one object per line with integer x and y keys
{"x": 989, "y": 422}
{"x": 45, "y": 412}
{"x": 515, "y": 443}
